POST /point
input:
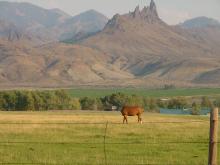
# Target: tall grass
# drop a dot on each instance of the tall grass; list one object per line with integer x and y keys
{"x": 63, "y": 142}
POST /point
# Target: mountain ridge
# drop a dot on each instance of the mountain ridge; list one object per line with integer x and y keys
{"x": 200, "y": 22}
{"x": 47, "y": 24}
{"x": 133, "y": 49}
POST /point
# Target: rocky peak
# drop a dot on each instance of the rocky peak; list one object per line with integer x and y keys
{"x": 114, "y": 21}
{"x": 137, "y": 13}
{"x": 153, "y": 8}
{"x": 148, "y": 14}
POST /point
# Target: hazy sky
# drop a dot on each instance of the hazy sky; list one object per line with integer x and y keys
{"x": 171, "y": 11}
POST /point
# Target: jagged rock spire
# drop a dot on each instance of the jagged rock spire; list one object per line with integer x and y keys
{"x": 147, "y": 14}
{"x": 152, "y": 4}
{"x": 136, "y": 12}
{"x": 153, "y": 8}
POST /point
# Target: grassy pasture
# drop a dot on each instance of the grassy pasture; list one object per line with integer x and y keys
{"x": 63, "y": 142}
{"x": 146, "y": 92}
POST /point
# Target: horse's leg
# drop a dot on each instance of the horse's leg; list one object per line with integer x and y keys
{"x": 126, "y": 118}
{"x": 139, "y": 119}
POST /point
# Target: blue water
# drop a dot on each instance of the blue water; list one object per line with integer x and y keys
{"x": 182, "y": 111}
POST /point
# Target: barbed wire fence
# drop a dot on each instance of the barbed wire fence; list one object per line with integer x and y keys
{"x": 105, "y": 133}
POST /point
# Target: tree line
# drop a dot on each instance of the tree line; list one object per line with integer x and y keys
{"x": 61, "y": 100}
{"x": 37, "y": 100}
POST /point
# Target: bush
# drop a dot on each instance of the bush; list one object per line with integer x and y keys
{"x": 116, "y": 99}
{"x": 75, "y": 104}
{"x": 162, "y": 103}
{"x": 178, "y": 103}
{"x": 119, "y": 100}
{"x": 99, "y": 105}
{"x": 169, "y": 86}
{"x": 196, "y": 109}
{"x": 88, "y": 103}
{"x": 134, "y": 101}
{"x": 9, "y": 101}
{"x": 150, "y": 105}
{"x": 206, "y": 103}
{"x": 217, "y": 102}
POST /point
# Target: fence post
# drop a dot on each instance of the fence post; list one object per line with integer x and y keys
{"x": 106, "y": 127}
{"x": 213, "y": 141}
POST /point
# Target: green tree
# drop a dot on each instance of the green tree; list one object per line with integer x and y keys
{"x": 1, "y": 101}
{"x": 116, "y": 99}
{"x": 88, "y": 103}
{"x": 9, "y": 102}
{"x": 38, "y": 101}
{"x": 63, "y": 99}
{"x": 162, "y": 103}
{"x": 75, "y": 104}
{"x": 196, "y": 109}
{"x": 217, "y": 102}
{"x": 29, "y": 102}
{"x": 99, "y": 104}
{"x": 134, "y": 101}
{"x": 150, "y": 104}
{"x": 206, "y": 103}
{"x": 178, "y": 103}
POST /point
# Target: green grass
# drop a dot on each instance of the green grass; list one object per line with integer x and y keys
{"x": 82, "y": 143}
{"x": 146, "y": 92}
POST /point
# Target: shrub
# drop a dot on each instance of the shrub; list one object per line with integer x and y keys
{"x": 134, "y": 101}
{"x": 88, "y": 103}
{"x": 206, "y": 103}
{"x": 196, "y": 109}
{"x": 116, "y": 99}
{"x": 150, "y": 104}
{"x": 75, "y": 104}
{"x": 169, "y": 86}
{"x": 178, "y": 103}
{"x": 217, "y": 102}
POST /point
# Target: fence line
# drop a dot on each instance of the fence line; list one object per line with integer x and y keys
{"x": 67, "y": 143}
{"x": 84, "y": 164}
{"x": 162, "y": 122}
{"x": 104, "y": 139}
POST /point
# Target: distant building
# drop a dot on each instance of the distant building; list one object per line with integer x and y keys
{"x": 165, "y": 99}
{"x": 111, "y": 108}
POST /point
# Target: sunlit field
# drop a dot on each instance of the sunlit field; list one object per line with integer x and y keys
{"x": 86, "y": 137}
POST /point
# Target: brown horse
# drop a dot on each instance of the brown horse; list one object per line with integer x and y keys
{"x": 132, "y": 111}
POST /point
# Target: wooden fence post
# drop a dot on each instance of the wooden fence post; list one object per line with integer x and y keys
{"x": 106, "y": 127}
{"x": 213, "y": 143}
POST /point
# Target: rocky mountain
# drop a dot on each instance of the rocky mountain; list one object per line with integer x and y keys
{"x": 142, "y": 44}
{"x": 81, "y": 25}
{"x": 135, "y": 49}
{"x": 9, "y": 31}
{"x": 28, "y": 16}
{"x": 50, "y": 24}
{"x": 200, "y": 22}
